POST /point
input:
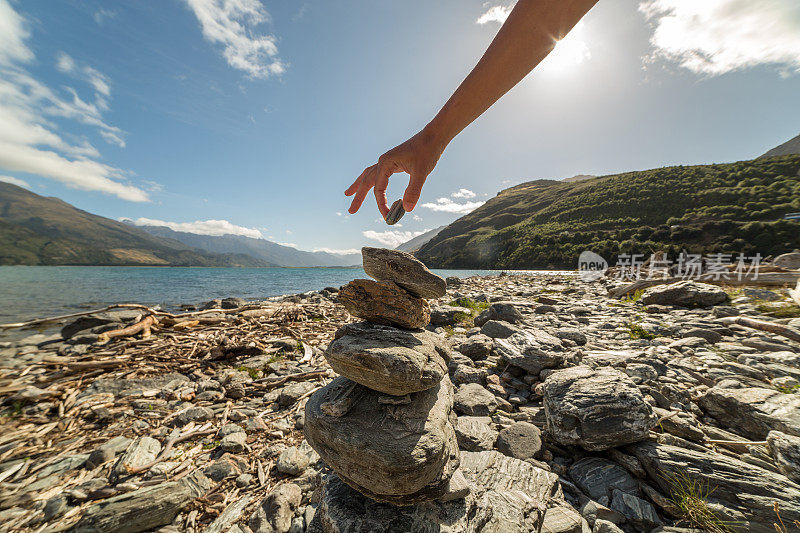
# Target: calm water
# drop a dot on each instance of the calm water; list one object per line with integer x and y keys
{"x": 28, "y": 292}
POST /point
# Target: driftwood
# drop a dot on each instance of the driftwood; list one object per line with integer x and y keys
{"x": 271, "y": 383}
{"x": 768, "y": 279}
{"x": 142, "y": 326}
{"x": 150, "y": 310}
{"x": 770, "y": 327}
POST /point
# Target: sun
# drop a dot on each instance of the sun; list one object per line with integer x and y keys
{"x": 569, "y": 52}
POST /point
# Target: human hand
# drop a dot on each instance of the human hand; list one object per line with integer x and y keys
{"x": 417, "y": 157}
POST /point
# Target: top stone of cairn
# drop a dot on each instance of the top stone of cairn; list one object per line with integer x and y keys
{"x": 403, "y": 269}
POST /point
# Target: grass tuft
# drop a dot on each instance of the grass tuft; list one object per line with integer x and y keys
{"x": 636, "y": 331}
{"x": 689, "y": 497}
{"x": 779, "y": 311}
{"x": 469, "y": 303}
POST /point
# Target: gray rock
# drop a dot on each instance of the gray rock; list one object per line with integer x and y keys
{"x": 132, "y": 387}
{"x": 499, "y": 330}
{"x": 292, "y": 461}
{"x": 502, "y": 311}
{"x": 232, "y": 303}
{"x": 384, "y": 302}
{"x": 573, "y": 334}
{"x": 476, "y": 347}
{"x": 468, "y": 374}
{"x": 393, "y": 452}
{"x": 291, "y": 393}
{"x": 141, "y": 451}
{"x": 344, "y": 510}
{"x": 475, "y": 434}
{"x": 753, "y": 412}
{"x": 448, "y": 315}
{"x": 473, "y": 399}
{"x": 532, "y": 351}
{"x": 604, "y": 526}
{"x": 638, "y": 512}
{"x": 107, "y": 451}
{"x": 521, "y": 440}
{"x": 221, "y": 468}
{"x": 598, "y": 477}
{"x": 741, "y": 491}
{"x": 405, "y": 270}
{"x": 640, "y": 373}
{"x": 511, "y": 493}
{"x": 145, "y": 508}
{"x": 708, "y": 334}
{"x": 55, "y": 507}
{"x": 596, "y": 409}
{"x": 684, "y": 294}
{"x": 390, "y": 360}
{"x": 785, "y": 450}
{"x": 562, "y": 519}
{"x": 194, "y": 414}
{"x": 276, "y": 511}
{"x": 789, "y": 260}
{"x": 234, "y": 442}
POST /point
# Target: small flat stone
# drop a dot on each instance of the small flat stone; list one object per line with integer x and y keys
{"x": 395, "y": 213}
{"x": 521, "y": 440}
{"x": 405, "y": 270}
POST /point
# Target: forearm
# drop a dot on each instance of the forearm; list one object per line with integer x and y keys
{"x": 524, "y": 40}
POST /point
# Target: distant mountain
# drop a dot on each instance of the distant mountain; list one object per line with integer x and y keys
{"x": 580, "y": 177}
{"x": 416, "y": 243}
{"x": 792, "y": 146}
{"x": 38, "y": 230}
{"x": 261, "y": 249}
{"x": 705, "y": 209}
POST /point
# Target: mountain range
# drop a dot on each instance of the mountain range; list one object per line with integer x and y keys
{"x": 262, "y": 249}
{"x": 39, "y": 230}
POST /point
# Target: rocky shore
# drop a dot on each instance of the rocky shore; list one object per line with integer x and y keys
{"x": 672, "y": 409}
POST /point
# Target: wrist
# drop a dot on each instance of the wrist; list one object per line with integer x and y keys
{"x": 436, "y": 134}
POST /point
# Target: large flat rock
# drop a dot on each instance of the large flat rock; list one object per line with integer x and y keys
{"x": 531, "y": 350}
{"x": 684, "y": 294}
{"x": 753, "y": 411}
{"x": 509, "y": 496}
{"x": 595, "y": 408}
{"x": 384, "y": 302}
{"x": 386, "y": 450}
{"x": 388, "y": 359}
{"x": 744, "y": 492}
{"x": 405, "y": 270}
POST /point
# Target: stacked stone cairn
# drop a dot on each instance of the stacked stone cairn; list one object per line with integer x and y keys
{"x": 386, "y": 424}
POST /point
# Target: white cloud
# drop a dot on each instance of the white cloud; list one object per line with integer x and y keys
{"x": 718, "y": 36}
{"x": 29, "y": 139}
{"x": 13, "y": 35}
{"x": 200, "y": 227}
{"x": 336, "y": 251}
{"x": 15, "y": 181}
{"x": 289, "y": 244}
{"x": 497, "y": 14}
{"x": 101, "y": 15}
{"x": 447, "y": 205}
{"x": 96, "y": 79}
{"x": 233, "y": 24}
{"x": 392, "y": 238}
{"x": 464, "y": 193}
{"x": 417, "y": 218}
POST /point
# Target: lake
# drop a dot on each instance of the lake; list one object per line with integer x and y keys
{"x": 28, "y": 292}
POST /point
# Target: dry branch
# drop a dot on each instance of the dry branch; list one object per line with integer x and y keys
{"x": 770, "y": 327}
{"x": 142, "y": 326}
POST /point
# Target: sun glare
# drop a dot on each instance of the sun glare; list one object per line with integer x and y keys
{"x": 570, "y": 51}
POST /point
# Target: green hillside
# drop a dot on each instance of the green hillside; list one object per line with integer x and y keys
{"x": 723, "y": 208}
{"x": 37, "y": 230}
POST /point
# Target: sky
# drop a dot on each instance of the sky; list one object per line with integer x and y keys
{"x": 253, "y": 116}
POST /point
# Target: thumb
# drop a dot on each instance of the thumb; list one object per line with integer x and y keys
{"x": 413, "y": 192}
